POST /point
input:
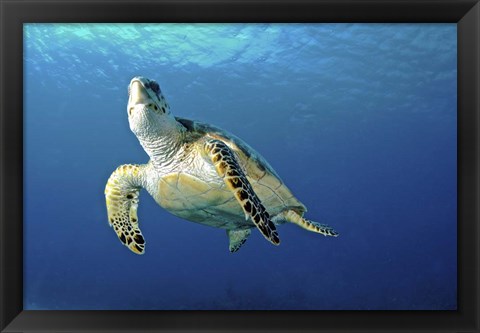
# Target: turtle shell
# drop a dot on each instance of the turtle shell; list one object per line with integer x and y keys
{"x": 266, "y": 183}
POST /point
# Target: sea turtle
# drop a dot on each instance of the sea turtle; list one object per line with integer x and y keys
{"x": 198, "y": 172}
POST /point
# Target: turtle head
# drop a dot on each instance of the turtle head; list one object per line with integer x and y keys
{"x": 148, "y": 111}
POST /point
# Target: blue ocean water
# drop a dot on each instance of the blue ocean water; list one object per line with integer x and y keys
{"x": 359, "y": 120}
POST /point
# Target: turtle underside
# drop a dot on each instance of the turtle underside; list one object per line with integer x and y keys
{"x": 194, "y": 197}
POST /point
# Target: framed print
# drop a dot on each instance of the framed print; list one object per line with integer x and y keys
{"x": 326, "y": 153}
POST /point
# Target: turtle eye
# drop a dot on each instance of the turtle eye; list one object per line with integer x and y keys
{"x": 155, "y": 107}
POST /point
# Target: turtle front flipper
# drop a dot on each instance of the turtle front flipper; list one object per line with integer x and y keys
{"x": 121, "y": 193}
{"x": 228, "y": 168}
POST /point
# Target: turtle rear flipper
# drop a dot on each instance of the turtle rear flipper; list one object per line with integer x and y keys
{"x": 294, "y": 217}
{"x": 121, "y": 194}
{"x": 237, "y": 238}
{"x": 225, "y": 162}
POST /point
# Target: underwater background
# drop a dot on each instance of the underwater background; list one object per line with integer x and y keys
{"x": 359, "y": 120}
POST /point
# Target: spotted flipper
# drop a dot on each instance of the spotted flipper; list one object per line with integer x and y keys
{"x": 121, "y": 194}
{"x": 237, "y": 238}
{"x": 293, "y": 217}
{"x": 228, "y": 168}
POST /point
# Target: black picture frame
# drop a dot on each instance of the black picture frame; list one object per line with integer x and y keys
{"x": 14, "y": 13}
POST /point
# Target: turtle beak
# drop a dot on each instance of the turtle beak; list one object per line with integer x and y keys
{"x": 138, "y": 95}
